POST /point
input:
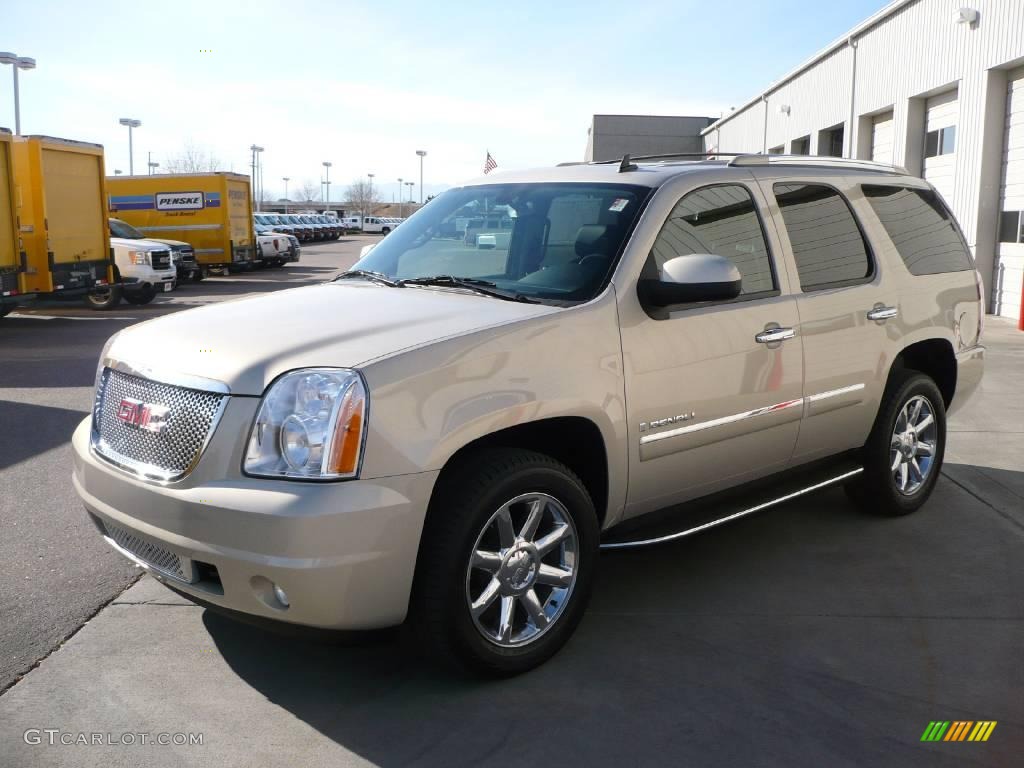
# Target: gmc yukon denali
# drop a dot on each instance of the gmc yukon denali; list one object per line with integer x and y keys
{"x": 449, "y": 433}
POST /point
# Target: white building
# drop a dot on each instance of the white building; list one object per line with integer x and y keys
{"x": 930, "y": 85}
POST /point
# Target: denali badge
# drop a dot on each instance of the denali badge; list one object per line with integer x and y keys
{"x": 147, "y": 416}
{"x": 644, "y": 425}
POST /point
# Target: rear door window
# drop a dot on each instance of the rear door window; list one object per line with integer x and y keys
{"x": 921, "y": 227}
{"x": 827, "y": 242}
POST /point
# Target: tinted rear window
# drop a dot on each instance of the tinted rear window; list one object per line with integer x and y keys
{"x": 921, "y": 228}
{"x": 827, "y": 243}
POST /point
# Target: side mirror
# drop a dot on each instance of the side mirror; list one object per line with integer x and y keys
{"x": 692, "y": 278}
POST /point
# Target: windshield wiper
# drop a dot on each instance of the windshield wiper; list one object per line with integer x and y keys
{"x": 369, "y": 274}
{"x": 483, "y": 287}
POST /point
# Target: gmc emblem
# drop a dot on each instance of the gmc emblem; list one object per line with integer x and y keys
{"x": 147, "y": 416}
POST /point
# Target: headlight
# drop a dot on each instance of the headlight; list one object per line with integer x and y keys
{"x": 138, "y": 257}
{"x": 310, "y": 425}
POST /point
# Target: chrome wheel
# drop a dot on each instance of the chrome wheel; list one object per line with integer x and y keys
{"x": 913, "y": 445}
{"x": 522, "y": 570}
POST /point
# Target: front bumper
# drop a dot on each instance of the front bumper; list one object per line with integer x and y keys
{"x": 344, "y": 553}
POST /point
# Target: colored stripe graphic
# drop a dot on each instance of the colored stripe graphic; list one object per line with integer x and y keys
{"x": 958, "y": 730}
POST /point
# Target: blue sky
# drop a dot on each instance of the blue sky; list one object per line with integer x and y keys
{"x": 364, "y": 85}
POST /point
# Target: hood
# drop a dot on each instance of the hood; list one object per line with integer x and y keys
{"x": 248, "y": 342}
{"x": 138, "y": 245}
{"x": 177, "y": 245}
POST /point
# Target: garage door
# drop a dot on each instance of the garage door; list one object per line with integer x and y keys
{"x": 940, "y": 141}
{"x": 1009, "y": 273}
{"x": 881, "y": 138}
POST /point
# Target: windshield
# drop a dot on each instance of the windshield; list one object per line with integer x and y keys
{"x": 119, "y": 228}
{"x": 555, "y": 242}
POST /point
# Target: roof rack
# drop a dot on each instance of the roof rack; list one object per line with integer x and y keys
{"x": 747, "y": 160}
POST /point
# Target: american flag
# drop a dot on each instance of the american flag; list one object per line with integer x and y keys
{"x": 490, "y": 164}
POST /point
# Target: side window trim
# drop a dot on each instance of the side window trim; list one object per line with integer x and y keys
{"x": 868, "y": 248}
{"x": 759, "y": 215}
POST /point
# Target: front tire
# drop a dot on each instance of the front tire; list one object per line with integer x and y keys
{"x": 904, "y": 452}
{"x": 142, "y": 296}
{"x": 506, "y": 562}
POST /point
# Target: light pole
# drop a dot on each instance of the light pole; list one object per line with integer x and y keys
{"x": 327, "y": 183}
{"x": 401, "y": 208}
{"x": 256, "y": 151}
{"x": 369, "y": 192}
{"x": 17, "y": 62}
{"x": 410, "y": 185}
{"x": 131, "y": 123}
{"x": 422, "y": 153}
{"x": 152, "y": 167}
{"x": 286, "y": 179}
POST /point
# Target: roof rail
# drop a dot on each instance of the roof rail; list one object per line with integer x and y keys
{"x": 667, "y": 156}
{"x": 741, "y": 161}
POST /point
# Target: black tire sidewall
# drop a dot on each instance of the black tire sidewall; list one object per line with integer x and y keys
{"x": 474, "y": 505}
{"x": 879, "y": 488}
{"x": 142, "y": 296}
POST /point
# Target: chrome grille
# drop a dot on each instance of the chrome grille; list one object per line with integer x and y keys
{"x": 165, "y": 455}
{"x": 153, "y": 555}
{"x": 160, "y": 259}
{"x": 188, "y": 256}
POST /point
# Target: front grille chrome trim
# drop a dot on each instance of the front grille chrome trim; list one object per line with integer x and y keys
{"x": 174, "y": 378}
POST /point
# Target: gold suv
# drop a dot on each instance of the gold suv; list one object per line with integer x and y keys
{"x": 449, "y": 432}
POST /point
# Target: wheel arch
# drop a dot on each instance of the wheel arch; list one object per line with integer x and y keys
{"x": 935, "y": 358}
{"x": 575, "y": 441}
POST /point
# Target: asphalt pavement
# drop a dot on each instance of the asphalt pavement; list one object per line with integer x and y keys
{"x": 810, "y": 634}
{"x": 55, "y": 572}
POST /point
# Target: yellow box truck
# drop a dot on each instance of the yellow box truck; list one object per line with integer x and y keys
{"x": 10, "y": 287}
{"x": 210, "y": 211}
{"x": 61, "y": 209}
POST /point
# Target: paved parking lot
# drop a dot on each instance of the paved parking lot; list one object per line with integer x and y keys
{"x": 808, "y": 635}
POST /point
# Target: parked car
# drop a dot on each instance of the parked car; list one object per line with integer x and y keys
{"x": 304, "y": 231}
{"x": 145, "y": 268}
{"x": 274, "y": 222}
{"x": 456, "y": 450}
{"x": 376, "y": 225}
{"x": 273, "y": 249}
{"x": 183, "y": 255}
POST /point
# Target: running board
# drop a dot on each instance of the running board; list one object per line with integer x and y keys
{"x": 733, "y": 508}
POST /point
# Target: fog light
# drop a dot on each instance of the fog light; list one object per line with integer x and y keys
{"x": 281, "y": 595}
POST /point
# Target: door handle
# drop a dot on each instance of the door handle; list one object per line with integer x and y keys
{"x": 774, "y": 334}
{"x": 882, "y": 313}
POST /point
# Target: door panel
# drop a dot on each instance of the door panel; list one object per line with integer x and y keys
{"x": 710, "y": 406}
{"x": 845, "y": 352}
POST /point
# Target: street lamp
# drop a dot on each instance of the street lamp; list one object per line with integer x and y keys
{"x": 131, "y": 123}
{"x": 152, "y": 167}
{"x": 400, "y": 207}
{"x": 256, "y": 196}
{"x": 327, "y": 183}
{"x": 410, "y": 185}
{"x": 17, "y": 62}
{"x": 369, "y": 192}
{"x": 286, "y": 179}
{"x": 422, "y": 153}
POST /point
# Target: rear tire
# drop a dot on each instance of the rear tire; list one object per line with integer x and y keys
{"x": 199, "y": 275}
{"x": 515, "y": 534}
{"x": 5, "y": 310}
{"x": 904, "y": 452}
{"x": 104, "y": 300}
